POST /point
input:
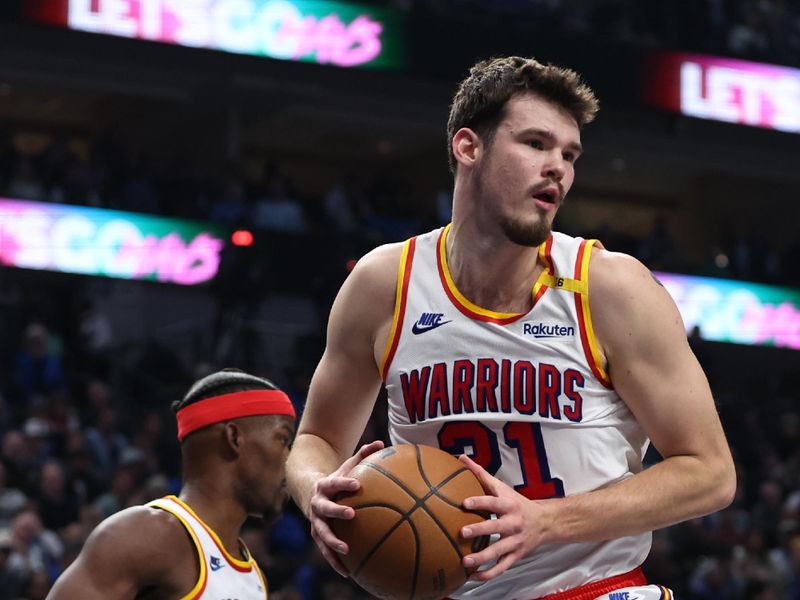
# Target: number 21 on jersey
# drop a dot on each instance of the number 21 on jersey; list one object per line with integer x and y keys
{"x": 526, "y": 438}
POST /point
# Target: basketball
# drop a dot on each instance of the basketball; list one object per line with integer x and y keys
{"x": 405, "y": 540}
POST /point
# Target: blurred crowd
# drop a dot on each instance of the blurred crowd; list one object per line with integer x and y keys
{"x": 359, "y": 211}
{"x": 760, "y": 30}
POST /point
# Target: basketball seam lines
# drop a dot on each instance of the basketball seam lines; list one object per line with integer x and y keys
{"x": 435, "y": 491}
{"x": 419, "y": 503}
{"x": 380, "y": 542}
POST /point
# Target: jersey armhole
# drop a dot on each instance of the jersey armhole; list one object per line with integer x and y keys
{"x": 202, "y": 578}
{"x": 588, "y": 340}
{"x": 401, "y": 296}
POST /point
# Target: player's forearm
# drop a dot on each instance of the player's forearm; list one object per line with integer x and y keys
{"x": 677, "y": 489}
{"x": 311, "y": 459}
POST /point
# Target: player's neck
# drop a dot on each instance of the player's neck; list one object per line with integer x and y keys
{"x": 218, "y": 510}
{"x": 491, "y": 271}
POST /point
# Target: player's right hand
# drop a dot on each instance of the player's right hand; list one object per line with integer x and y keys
{"x": 322, "y": 507}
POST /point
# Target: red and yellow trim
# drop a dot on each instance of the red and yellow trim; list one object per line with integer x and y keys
{"x": 595, "y": 589}
{"x": 472, "y": 310}
{"x": 244, "y": 566}
{"x": 588, "y": 339}
{"x": 401, "y": 296}
{"x": 202, "y": 578}
{"x": 260, "y": 576}
{"x": 546, "y": 258}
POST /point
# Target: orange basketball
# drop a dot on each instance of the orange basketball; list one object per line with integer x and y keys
{"x": 405, "y": 540}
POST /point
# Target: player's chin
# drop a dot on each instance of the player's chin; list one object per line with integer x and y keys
{"x": 271, "y": 514}
{"x": 273, "y": 510}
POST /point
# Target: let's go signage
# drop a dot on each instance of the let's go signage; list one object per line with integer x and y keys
{"x": 335, "y": 33}
{"x": 723, "y": 89}
{"x": 111, "y": 243}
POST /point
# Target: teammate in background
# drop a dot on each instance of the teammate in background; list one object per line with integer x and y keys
{"x": 490, "y": 344}
{"x": 235, "y": 431}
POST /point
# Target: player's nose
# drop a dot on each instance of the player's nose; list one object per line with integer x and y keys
{"x": 554, "y": 166}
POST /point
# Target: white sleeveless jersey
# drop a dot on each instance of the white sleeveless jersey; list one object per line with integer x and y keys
{"x": 526, "y": 395}
{"x": 221, "y": 575}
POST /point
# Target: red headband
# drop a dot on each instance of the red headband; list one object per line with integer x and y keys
{"x": 232, "y": 406}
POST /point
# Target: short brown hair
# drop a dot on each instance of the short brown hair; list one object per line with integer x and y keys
{"x": 481, "y": 98}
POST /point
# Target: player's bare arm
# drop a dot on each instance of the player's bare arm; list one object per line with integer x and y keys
{"x": 140, "y": 552}
{"x": 653, "y": 370}
{"x": 342, "y": 395}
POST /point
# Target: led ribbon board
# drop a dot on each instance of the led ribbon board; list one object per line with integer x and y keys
{"x": 111, "y": 243}
{"x": 737, "y": 311}
{"x": 722, "y": 89}
{"x": 328, "y": 33}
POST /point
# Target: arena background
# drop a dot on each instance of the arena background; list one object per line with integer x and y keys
{"x": 253, "y": 173}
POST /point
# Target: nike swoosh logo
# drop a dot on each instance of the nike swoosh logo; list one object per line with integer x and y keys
{"x": 416, "y": 329}
{"x": 216, "y": 564}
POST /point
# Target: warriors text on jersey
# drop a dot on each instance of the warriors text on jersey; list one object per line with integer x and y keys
{"x": 221, "y": 575}
{"x": 526, "y": 395}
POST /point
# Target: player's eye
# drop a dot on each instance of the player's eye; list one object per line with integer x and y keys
{"x": 569, "y": 157}
{"x": 536, "y": 144}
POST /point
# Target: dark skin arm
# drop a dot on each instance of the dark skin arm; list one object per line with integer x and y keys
{"x": 139, "y": 553}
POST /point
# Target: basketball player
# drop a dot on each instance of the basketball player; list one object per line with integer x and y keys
{"x": 235, "y": 431}
{"x": 548, "y": 360}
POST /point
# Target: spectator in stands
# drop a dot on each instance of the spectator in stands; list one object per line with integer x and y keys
{"x": 658, "y": 249}
{"x": 16, "y": 459}
{"x": 96, "y": 338}
{"x": 338, "y": 208}
{"x": 85, "y": 480}
{"x": 35, "y": 548}
{"x": 123, "y": 487}
{"x": 11, "y": 580}
{"x": 57, "y": 503}
{"x": 751, "y": 37}
{"x": 105, "y": 443}
{"x": 38, "y": 369}
{"x": 276, "y": 210}
{"x": 24, "y": 183}
{"x": 230, "y": 208}
{"x": 12, "y": 500}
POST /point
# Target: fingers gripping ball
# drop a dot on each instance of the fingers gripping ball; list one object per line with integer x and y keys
{"x": 405, "y": 541}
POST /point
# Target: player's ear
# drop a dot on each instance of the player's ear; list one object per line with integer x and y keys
{"x": 233, "y": 437}
{"x": 466, "y": 146}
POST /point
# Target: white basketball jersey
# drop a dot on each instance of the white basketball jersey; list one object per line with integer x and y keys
{"x": 221, "y": 575}
{"x": 525, "y": 395}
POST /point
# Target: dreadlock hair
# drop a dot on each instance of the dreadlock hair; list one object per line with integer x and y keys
{"x": 226, "y": 381}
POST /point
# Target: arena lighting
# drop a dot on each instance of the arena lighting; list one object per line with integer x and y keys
{"x": 336, "y": 33}
{"x": 110, "y": 243}
{"x": 737, "y": 311}
{"x": 722, "y": 89}
{"x": 242, "y": 237}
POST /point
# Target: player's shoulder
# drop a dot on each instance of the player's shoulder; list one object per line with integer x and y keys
{"x": 376, "y": 271}
{"x": 145, "y": 530}
{"x": 623, "y": 290}
{"x": 381, "y": 258}
{"x": 618, "y": 275}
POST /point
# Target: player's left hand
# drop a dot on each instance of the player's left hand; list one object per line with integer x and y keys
{"x": 519, "y": 522}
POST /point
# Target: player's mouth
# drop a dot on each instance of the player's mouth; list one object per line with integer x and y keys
{"x": 547, "y": 199}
